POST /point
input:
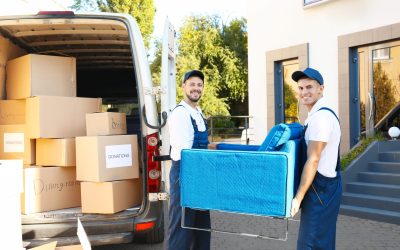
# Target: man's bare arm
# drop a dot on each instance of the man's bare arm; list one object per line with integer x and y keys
{"x": 314, "y": 151}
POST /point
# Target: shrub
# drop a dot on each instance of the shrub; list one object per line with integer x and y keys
{"x": 359, "y": 148}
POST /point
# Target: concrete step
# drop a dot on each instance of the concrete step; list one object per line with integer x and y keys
{"x": 371, "y": 214}
{"x": 374, "y": 189}
{"x": 371, "y": 201}
{"x": 378, "y": 177}
{"x": 384, "y": 167}
{"x": 389, "y": 156}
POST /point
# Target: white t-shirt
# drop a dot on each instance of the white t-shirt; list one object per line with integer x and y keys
{"x": 181, "y": 130}
{"x": 324, "y": 127}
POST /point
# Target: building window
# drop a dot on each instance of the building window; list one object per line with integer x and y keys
{"x": 381, "y": 54}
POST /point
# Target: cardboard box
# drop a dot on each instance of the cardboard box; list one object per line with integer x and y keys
{"x": 55, "y": 152}
{"x": 58, "y": 117}
{"x": 50, "y": 188}
{"x": 52, "y": 246}
{"x": 15, "y": 144}
{"x": 12, "y": 112}
{"x": 110, "y": 197}
{"x": 47, "y": 246}
{"x": 10, "y": 191}
{"x": 9, "y": 51}
{"x": 106, "y": 123}
{"x": 33, "y": 75}
{"x": 107, "y": 158}
{"x": 71, "y": 247}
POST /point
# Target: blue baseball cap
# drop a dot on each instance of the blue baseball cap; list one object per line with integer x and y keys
{"x": 308, "y": 73}
{"x": 192, "y": 73}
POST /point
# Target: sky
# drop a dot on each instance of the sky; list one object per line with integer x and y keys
{"x": 177, "y": 10}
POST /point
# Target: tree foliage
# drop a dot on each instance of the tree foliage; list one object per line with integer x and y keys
{"x": 291, "y": 112}
{"x": 384, "y": 92}
{"x": 220, "y": 51}
{"x": 142, "y": 10}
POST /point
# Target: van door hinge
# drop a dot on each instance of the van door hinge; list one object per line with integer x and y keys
{"x": 158, "y": 196}
{"x": 157, "y": 90}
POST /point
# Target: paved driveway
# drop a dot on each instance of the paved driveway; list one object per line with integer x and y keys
{"x": 352, "y": 234}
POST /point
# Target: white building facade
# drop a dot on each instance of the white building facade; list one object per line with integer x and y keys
{"x": 355, "y": 44}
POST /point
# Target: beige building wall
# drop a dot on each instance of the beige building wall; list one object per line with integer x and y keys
{"x": 328, "y": 29}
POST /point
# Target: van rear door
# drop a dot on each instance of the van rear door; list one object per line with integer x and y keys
{"x": 168, "y": 91}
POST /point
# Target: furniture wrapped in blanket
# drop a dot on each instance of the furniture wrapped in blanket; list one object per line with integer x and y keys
{"x": 244, "y": 179}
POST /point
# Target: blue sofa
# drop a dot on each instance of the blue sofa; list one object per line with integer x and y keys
{"x": 257, "y": 180}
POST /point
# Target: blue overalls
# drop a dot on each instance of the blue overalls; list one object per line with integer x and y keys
{"x": 181, "y": 238}
{"x": 320, "y": 209}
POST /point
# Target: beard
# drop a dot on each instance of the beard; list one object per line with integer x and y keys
{"x": 194, "y": 99}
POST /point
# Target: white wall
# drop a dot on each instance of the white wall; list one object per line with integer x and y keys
{"x": 275, "y": 24}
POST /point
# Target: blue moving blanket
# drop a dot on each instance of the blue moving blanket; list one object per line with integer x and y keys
{"x": 250, "y": 182}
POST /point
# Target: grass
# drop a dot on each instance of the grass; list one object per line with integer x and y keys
{"x": 356, "y": 151}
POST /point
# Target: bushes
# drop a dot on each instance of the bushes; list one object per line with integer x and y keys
{"x": 358, "y": 149}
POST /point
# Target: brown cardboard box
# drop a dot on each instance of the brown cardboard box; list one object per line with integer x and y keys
{"x": 33, "y": 75}
{"x": 52, "y": 246}
{"x": 55, "y": 152}
{"x": 107, "y": 158}
{"x": 110, "y": 197}
{"x": 8, "y": 51}
{"x": 47, "y": 246}
{"x": 12, "y": 112}
{"x": 50, "y": 188}
{"x": 71, "y": 247}
{"x": 58, "y": 117}
{"x": 106, "y": 123}
{"x": 14, "y": 144}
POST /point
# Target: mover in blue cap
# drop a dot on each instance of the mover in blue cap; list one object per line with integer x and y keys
{"x": 188, "y": 129}
{"x": 320, "y": 189}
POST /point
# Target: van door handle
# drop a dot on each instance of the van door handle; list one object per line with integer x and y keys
{"x": 164, "y": 116}
{"x": 161, "y": 157}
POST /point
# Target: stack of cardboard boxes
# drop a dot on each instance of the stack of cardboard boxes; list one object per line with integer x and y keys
{"x": 39, "y": 121}
{"x": 108, "y": 165}
{"x": 63, "y": 139}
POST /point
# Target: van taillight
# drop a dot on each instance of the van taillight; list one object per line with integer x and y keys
{"x": 153, "y": 167}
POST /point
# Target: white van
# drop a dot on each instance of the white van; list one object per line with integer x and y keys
{"x": 111, "y": 64}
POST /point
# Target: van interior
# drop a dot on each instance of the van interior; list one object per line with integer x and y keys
{"x": 105, "y": 66}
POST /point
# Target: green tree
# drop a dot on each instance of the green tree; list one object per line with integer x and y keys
{"x": 235, "y": 37}
{"x": 142, "y": 10}
{"x": 290, "y": 103}
{"x": 206, "y": 44}
{"x": 155, "y": 66}
{"x": 384, "y": 92}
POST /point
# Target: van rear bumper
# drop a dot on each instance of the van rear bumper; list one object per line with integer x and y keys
{"x": 61, "y": 226}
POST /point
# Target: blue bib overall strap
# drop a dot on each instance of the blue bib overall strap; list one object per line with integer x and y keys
{"x": 200, "y": 140}
{"x": 320, "y": 208}
{"x": 181, "y": 238}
